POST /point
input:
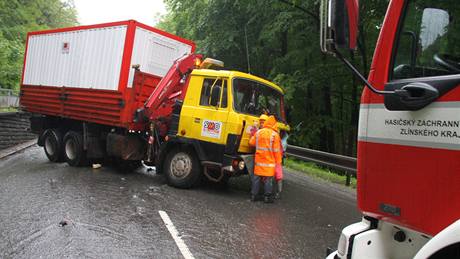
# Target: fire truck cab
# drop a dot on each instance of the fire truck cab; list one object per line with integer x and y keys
{"x": 409, "y": 130}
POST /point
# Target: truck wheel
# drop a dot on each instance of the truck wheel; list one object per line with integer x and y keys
{"x": 182, "y": 169}
{"x": 73, "y": 149}
{"x": 52, "y": 144}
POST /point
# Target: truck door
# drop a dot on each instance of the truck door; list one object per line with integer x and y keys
{"x": 409, "y": 155}
{"x": 210, "y": 119}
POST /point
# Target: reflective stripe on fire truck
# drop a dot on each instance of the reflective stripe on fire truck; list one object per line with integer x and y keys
{"x": 435, "y": 126}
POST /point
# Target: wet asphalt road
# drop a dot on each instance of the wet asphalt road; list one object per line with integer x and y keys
{"x": 111, "y": 214}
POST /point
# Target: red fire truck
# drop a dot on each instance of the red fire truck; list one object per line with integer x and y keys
{"x": 409, "y": 130}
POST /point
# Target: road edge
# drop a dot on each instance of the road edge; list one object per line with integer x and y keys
{"x": 14, "y": 149}
{"x": 340, "y": 191}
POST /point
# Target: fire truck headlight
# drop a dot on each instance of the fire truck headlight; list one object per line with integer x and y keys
{"x": 342, "y": 246}
{"x": 348, "y": 232}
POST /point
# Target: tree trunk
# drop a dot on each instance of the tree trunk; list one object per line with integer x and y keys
{"x": 354, "y": 113}
{"x": 327, "y": 141}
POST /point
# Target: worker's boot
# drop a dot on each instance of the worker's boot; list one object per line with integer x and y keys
{"x": 268, "y": 198}
{"x": 255, "y": 197}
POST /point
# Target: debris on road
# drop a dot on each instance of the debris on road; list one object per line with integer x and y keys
{"x": 97, "y": 166}
{"x": 63, "y": 223}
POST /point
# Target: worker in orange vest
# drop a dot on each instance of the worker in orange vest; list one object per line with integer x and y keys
{"x": 268, "y": 158}
{"x": 278, "y": 173}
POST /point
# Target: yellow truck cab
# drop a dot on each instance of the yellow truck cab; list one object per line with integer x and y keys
{"x": 215, "y": 120}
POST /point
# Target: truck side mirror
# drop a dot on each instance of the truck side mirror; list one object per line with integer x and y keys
{"x": 215, "y": 96}
{"x": 339, "y": 25}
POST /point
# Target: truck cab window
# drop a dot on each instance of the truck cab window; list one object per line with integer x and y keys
{"x": 254, "y": 98}
{"x": 428, "y": 40}
{"x": 208, "y": 84}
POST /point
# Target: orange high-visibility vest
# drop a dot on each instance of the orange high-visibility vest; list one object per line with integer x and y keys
{"x": 268, "y": 150}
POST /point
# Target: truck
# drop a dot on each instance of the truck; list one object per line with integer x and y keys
{"x": 131, "y": 93}
{"x": 408, "y": 158}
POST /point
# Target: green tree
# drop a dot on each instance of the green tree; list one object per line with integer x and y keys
{"x": 17, "y": 17}
{"x": 282, "y": 39}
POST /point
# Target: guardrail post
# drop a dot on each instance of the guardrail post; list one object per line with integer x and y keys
{"x": 348, "y": 181}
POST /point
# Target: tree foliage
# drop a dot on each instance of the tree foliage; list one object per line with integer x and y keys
{"x": 17, "y": 17}
{"x": 283, "y": 45}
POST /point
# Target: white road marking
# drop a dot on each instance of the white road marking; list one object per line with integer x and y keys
{"x": 179, "y": 242}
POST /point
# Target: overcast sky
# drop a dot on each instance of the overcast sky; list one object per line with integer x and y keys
{"x": 100, "y": 11}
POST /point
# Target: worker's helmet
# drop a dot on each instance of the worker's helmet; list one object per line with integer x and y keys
{"x": 263, "y": 117}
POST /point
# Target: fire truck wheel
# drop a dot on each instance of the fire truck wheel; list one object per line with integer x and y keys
{"x": 52, "y": 144}
{"x": 182, "y": 168}
{"x": 73, "y": 149}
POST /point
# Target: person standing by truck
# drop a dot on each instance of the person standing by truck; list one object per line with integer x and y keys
{"x": 268, "y": 157}
{"x": 262, "y": 120}
{"x": 253, "y": 131}
{"x": 278, "y": 168}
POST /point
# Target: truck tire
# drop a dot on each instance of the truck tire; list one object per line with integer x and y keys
{"x": 52, "y": 144}
{"x": 182, "y": 169}
{"x": 73, "y": 149}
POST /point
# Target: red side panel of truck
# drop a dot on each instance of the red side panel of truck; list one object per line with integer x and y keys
{"x": 85, "y": 72}
{"x": 406, "y": 179}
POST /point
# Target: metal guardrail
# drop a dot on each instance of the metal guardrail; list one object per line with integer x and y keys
{"x": 9, "y": 98}
{"x": 343, "y": 163}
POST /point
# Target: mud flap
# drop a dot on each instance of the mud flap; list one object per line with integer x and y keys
{"x": 95, "y": 149}
{"x": 129, "y": 147}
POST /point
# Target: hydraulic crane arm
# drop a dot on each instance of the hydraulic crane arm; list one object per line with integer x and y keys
{"x": 170, "y": 86}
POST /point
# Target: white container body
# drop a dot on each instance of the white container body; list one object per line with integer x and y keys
{"x": 92, "y": 57}
{"x": 155, "y": 53}
{"x": 89, "y": 58}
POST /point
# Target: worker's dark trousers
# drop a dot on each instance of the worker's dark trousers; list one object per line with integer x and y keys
{"x": 256, "y": 182}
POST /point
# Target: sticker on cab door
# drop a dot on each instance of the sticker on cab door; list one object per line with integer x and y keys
{"x": 211, "y": 129}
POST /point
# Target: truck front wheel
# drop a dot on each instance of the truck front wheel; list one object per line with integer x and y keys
{"x": 182, "y": 169}
{"x": 74, "y": 153}
{"x": 52, "y": 144}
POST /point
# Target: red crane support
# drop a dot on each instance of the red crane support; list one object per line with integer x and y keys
{"x": 172, "y": 86}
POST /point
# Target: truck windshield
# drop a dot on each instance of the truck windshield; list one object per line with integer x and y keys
{"x": 255, "y": 98}
{"x": 428, "y": 40}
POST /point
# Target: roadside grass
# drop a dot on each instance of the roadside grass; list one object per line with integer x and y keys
{"x": 8, "y": 109}
{"x": 318, "y": 172}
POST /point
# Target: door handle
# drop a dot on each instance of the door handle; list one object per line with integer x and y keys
{"x": 417, "y": 95}
{"x": 197, "y": 120}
